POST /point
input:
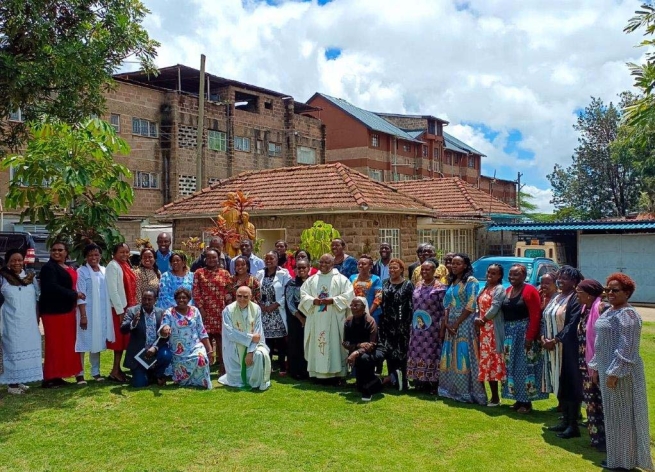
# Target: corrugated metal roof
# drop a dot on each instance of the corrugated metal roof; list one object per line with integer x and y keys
{"x": 416, "y": 133}
{"x": 454, "y": 144}
{"x": 369, "y": 119}
{"x": 590, "y": 225}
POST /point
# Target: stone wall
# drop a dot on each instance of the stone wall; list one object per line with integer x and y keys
{"x": 359, "y": 230}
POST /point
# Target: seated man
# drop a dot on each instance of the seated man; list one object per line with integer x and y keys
{"x": 245, "y": 354}
{"x": 360, "y": 340}
{"x": 142, "y": 322}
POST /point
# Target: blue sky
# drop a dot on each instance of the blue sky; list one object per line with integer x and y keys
{"x": 509, "y": 76}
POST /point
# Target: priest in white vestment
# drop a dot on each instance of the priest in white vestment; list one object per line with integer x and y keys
{"x": 324, "y": 299}
{"x": 245, "y": 354}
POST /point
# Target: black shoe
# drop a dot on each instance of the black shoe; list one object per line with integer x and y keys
{"x": 570, "y": 432}
{"x": 559, "y": 428}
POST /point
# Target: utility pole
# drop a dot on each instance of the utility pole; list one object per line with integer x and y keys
{"x": 201, "y": 123}
{"x": 518, "y": 191}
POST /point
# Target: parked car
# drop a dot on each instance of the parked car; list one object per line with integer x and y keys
{"x": 536, "y": 267}
{"x": 18, "y": 240}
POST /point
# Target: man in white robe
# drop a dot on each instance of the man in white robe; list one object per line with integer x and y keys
{"x": 245, "y": 354}
{"x": 324, "y": 299}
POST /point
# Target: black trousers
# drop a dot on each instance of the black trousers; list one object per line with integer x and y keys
{"x": 367, "y": 382}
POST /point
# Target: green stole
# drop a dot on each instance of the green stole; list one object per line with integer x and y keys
{"x": 246, "y": 325}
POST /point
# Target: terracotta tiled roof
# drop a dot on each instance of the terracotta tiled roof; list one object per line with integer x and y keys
{"x": 452, "y": 197}
{"x": 304, "y": 189}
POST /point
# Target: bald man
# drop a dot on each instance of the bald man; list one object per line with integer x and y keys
{"x": 163, "y": 252}
{"x": 245, "y": 354}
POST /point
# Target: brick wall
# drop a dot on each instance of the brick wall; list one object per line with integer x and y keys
{"x": 359, "y": 230}
{"x": 131, "y": 230}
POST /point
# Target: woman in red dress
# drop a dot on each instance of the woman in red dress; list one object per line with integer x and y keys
{"x": 121, "y": 285}
{"x": 57, "y": 307}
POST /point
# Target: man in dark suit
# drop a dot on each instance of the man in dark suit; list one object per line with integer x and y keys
{"x": 142, "y": 322}
{"x": 421, "y": 260}
{"x": 223, "y": 259}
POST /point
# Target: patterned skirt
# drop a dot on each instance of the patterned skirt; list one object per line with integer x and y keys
{"x": 524, "y": 368}
{"x": 492, "y": 363}
{"x": 595, "y": 416}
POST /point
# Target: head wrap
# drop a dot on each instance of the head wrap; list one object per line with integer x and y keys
{"x": 591, "y": 287}
{"x": 365, "y": 302}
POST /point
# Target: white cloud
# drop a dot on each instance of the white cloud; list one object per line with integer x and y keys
{"x": 511, "y": 66}
{"x": 542, "y": 198}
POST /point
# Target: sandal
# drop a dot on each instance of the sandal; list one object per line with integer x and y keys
{"x": 115, "y": 379}
{"x": 524, "y": 410}
{"x": 98, "y": 378}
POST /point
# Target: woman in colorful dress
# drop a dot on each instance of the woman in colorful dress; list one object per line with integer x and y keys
{"x": 296, "y": 322}
{"x": 368, "y": 285}
{"x": 424, "y": 351}
{"x": 396, "y": 319}
{"x": 242, "y": 278}
{"x": 178, "y": 276}
{"x": 272, "y": 282}
{"x": 492, "y": 332}
{"x": 345, "y": 264}
{"x": 589, "y": 294}
{"x": 121, "y": 286}
{"x": 147, "y": 274}
{"x": 95, "y": 324}
{"x": 19, "y": 325}
{"x": 617, "y": 368}
{"x": 459, "y": 358}
{"x": 211, "y": 292}
{"x": 57, "y": 307}
{"x": 523, "y": 361}
{"x": 560, "y": 341}
{"x": 192, "y": 352}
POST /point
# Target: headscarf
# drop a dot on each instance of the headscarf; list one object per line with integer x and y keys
{"x": 366, "y": 309}
{"x": 591, "y": 287}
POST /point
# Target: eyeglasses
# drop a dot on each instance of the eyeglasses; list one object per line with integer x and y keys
{"x": 613, "y": 290}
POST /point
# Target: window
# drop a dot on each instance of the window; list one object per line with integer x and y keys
{"x": 246, "y": 102}
{"x": 436, "y": 153}
{"x": 274, "y": 149}
{"x": 144, "y": 127}
{"x": 44, "y": 183}
{"x": 16, "y": 115}
{"x": 115, "y": 122}
{"x": 425, "y": 151}
{"x": 242, "y": 144}
{"x": 259, "y": 147}
{"x": 375, "y": 174}
{"x": 456, "y": 160}
{"x": 268, "y": 105}
{"x": 407, "y": 147}
{"x": 217, "y": 140}
{"x": 146, "y": 179}
{"x": 391, "y": 236}
{"x": 472, "y": 162}
{"x": 306, "y": 155}
{"x": 450, "y": 240}
{"x": 375, "y": 140}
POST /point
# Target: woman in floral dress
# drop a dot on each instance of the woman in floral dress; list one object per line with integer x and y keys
{"x": 424, "y": 341}
{"x": 147, "y": 274}
{"x": 492, "y": 332}
{"x": 459, "y": 359}
{"x": 189, "y": 342}
{"x": 396, "y": 318}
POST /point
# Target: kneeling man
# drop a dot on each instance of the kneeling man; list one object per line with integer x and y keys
{"x": 245, "y": 354}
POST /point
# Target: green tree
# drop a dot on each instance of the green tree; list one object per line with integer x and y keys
{"x": 598, "y": 183}
{"x": 526, "y": 202}
{"x": 318, "y": 238}
{"x": 67, "y": 179}
{"x": 57, "y": 57}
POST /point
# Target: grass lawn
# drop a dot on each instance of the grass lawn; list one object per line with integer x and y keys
{"x": 293, "y": 426}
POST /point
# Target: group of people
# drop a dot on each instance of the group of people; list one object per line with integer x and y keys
{"x": 435, "y": 328}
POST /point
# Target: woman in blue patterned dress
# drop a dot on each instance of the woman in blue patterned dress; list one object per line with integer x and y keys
{"x": 189, "y": 342}
{"x": 459, "y": 358}
{"x": 178, "y": 276}
{"x": 345, "y": 264}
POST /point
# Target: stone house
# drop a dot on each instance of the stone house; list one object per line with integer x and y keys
{"x": 363, "y": 210}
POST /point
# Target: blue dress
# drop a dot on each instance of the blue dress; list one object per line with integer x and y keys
{"x": 347, "y": 267}
{"x": 167, "y": 286}
{"x": 458, "y": 379}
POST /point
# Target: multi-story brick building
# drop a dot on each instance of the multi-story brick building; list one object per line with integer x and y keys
{"x": 245, "y": 128}
{"x": 392, "y": 147}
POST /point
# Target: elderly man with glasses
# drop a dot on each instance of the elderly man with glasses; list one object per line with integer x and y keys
{"x": 245, "y": 354}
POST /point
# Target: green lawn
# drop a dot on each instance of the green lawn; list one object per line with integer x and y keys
{"x": 293, "y": 426}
